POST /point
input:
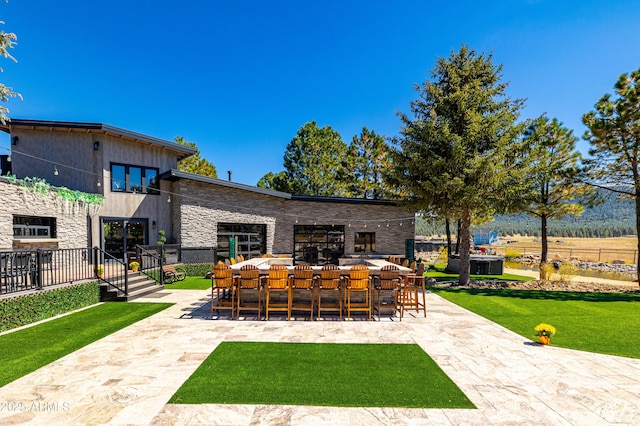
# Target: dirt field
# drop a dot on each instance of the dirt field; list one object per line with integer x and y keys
{"x": 588, "y": 249}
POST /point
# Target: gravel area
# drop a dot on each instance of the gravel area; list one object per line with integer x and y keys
{"x": 610, "y": 287}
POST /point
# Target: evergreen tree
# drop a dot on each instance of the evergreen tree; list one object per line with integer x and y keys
{"x": 275, "y": 181}
{"x": 553, "y": 171}
{"x": 194, "y": 163}
{"x": 452, "y": 156}
{"x": 7, "y": 41}
{"x": 314, "y": 162}
{"x": 368, "y": 158}
{"x": 614, "y": 135}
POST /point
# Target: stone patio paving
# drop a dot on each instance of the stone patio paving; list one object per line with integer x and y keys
{"x": 128, "y": 377}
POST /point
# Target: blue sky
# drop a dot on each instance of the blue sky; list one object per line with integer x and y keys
{"x": 239, "y": 78}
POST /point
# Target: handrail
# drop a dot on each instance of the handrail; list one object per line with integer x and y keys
{"x": 114, "y": 271}
{"x": 150, "y": 264}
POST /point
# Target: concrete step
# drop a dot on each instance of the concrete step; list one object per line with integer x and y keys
{"x": 138, "y": 285}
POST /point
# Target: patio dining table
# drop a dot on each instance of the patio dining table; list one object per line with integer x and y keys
{"x": 263, "y": 265}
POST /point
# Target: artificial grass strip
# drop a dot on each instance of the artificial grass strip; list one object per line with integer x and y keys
{"x": 190, "y": 283}
{"x": 340, "y": 375}
{"x": 24, "y": 351}
{"x": 605, "y": 323}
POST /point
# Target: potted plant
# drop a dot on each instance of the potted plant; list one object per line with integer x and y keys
{"x": 544, "y": 333}
{"x": 134, "y": 266}
{"x": 100, "y": 271}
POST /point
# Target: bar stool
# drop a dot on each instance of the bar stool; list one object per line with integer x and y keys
{"x": 329, "y": 282}
{"x": 358, "y": 282}
{"x": 223, "y": 289}
{"x": 301, "y": 287}
{"x": 410, "y": 290}
{"x": 278, "y": 282}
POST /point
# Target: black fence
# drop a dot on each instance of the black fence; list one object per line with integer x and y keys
{"x": 24, "y": 270}
{"x": 175, "y": 253}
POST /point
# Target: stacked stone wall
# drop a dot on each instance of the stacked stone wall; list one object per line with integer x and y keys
{"x": 71, "y": 218}
{"x": 208, "y": 204}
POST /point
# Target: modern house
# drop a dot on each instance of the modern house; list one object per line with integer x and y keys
{"x": 485, "y": 236}
{"x": 144, "y": 193}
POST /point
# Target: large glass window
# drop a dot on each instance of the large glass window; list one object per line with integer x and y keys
{"x": 318, "y": 244}
{"x": 250, "y": 239}
{"x": 118, "y": 179}
{"x": 126, "y": 178}
{"x": 34, "y": 227}
{"x": 365, "y": 242}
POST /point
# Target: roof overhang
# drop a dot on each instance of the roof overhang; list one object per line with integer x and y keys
{"x": 175, "y": 175}
{"x": 181, "y": 151}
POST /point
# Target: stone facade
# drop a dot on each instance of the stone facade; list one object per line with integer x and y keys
{"x": 71, "y": 218}
{"x": 188, "y": 207}
{"x": 203, "y": 205}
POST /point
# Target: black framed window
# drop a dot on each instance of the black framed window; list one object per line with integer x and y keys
{"x": 250, "y": 239}
{"x": 365, "y": 242}
{"x": 128, "y": 178}
{"x": 318, "y": 244}
{"x": 34, "y": 227}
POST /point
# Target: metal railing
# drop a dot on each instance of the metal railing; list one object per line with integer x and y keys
{"x": 111, "y": 270}
{"x": 151, "y": 262}
{"x": 23, "y": 270}
{"x": 27, "y": 270}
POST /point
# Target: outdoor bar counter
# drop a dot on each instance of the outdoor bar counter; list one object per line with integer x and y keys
{"x": 264, "y": 263}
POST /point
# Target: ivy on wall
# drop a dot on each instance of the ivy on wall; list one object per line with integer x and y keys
{"x": 41, "y": 186}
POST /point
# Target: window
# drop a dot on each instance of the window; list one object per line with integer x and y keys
{"x": 250, "y": 239}
{"x": 126, "y": 178}
{"x": 318, "y": 244}
{"x": 34, "y": 227}
{"x": 365, "y": 242}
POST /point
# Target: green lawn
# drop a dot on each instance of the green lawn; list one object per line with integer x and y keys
{"x": 606, "y": 323}
{"x": 190, "y": 283}
{"x": 24, "y": 351}
{"x": 342, "y": 375}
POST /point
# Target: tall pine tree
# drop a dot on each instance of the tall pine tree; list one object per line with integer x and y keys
{"x": 553, "y": 172}
{"x": 614, "y": 135}
{"x": 452, "y": 156}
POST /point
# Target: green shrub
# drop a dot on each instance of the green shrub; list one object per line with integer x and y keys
{"x": 511, "y": 253}
{"x": 567, "y": 271}
{"x": 30, "y": 308}
{"x": 197, "y": 269}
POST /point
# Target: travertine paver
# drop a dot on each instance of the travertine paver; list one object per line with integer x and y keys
{"x": 128, "y": 377}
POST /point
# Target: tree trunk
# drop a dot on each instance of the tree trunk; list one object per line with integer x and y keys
{"x": 447, "y": 225}
{"x": 464, "y": 243}
{"x": 544, "y": 250}
{"x": 458, "y": 237}
{"x": 638, "y": 230}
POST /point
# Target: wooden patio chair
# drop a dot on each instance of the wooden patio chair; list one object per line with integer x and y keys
{"x": 329, "y": 282}
{"x": 278, "y": 282}
{"x": 172, "y": 274}
{"x": 223, "y": 289}
{"x": 358, "y": 282}
{"x": 387, "y": 282}
{"x": 248, "y": 283}
{"x": 302, "y": 289}
{"x": 412, "y": 286}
